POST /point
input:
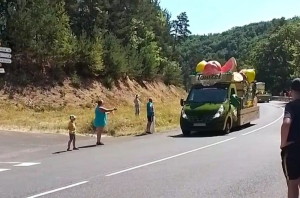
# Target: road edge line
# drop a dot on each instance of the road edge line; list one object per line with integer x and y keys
{"x": 167, "y": 158}
{"x": 255, "y": 130}
{"x": 58, "y": 189}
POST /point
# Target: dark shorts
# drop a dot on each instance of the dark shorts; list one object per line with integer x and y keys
{"x": 150, "y": 118}
{"x": 72, "y": 136}
{"x": 290, "y": 156}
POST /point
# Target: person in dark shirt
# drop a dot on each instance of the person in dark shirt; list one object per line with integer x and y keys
{"x": 290, "y": 141}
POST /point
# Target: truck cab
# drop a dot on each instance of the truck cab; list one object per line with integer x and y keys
{"x": 261, "y": 94}
{"x": 217, "y": 107}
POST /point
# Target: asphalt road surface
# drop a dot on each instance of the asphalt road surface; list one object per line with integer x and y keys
{"x": 243, "y": 164}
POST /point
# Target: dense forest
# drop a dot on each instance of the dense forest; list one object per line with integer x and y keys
{"x": 91, "y": 39}
{"x": 110, "y": 40}
{"x": 272, "y": 48}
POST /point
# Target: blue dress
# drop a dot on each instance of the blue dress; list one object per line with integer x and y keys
{"x": 100, "y": 118}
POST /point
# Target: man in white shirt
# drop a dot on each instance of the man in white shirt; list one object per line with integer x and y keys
{"x": 137, "y": 103}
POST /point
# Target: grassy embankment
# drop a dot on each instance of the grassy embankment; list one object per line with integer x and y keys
{"x": 47, "y": 110}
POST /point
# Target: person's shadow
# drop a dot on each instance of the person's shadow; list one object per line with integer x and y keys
{"x": 80, "y": 147}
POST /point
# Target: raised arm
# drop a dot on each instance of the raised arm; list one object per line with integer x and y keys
{"x": 103, "y": 109}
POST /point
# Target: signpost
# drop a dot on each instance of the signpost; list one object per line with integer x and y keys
{"x": 5, "y": 49}
{"x": 4, "y": 60}
{"x": 5, "y": 57}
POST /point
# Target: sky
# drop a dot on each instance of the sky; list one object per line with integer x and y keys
{"x": 215, "y": 16}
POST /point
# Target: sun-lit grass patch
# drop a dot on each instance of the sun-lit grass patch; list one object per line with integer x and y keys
{"x": 121, "y": 122}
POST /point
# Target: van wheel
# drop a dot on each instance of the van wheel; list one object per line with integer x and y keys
{"x": 227, "y": 127}
{"x": 186, "y": 133}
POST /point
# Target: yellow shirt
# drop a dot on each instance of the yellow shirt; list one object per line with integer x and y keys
{"x": 72, "y": 127}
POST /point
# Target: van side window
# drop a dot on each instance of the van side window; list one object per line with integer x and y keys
{"x": 232, "y": 91}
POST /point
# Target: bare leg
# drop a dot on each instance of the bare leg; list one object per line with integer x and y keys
{"x": 148, "y": 127}
{"x": 137, "y": 110}
{"x": 99, "y": 134}
{"x": 69, "y": 144}
{"x": 293, "y": 190}
{"x": 74, "y": 140}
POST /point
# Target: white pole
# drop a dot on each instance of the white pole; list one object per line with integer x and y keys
{"x": 152, "y": 127}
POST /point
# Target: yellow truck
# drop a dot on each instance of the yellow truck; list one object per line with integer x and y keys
{"x": 262, "y": 95}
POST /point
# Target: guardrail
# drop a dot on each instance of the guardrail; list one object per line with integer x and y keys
{"x": 282, "y": 98}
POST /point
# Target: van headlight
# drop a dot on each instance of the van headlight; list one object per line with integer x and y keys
{"x": 183, "y": 115}
{"x": 219, "y": 112}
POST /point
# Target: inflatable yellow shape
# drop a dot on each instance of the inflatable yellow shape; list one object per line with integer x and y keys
{"x": 250, "y": 74}
{"x": 200, "y": 66}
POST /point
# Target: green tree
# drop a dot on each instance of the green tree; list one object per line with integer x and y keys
{"x": 244, "y": 43}
{"x": 114, "y": 57}
{"x": 172, "y": 74}
{"x": 88, "y": 54}
{"x": 274, "y": 58}
{"x": 40, "y": 30}
{"x": 180, "y": 29}
{"x": 91, "y": 39}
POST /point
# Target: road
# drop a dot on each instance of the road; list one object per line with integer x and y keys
{"x": 245, "y": 163}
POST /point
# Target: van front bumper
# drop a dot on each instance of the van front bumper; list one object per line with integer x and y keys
{"x": 216, "y": 124}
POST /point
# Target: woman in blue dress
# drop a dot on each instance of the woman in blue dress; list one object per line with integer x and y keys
{"x": 100, "y": 120}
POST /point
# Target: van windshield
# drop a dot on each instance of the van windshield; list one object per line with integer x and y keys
{"x": 207, "y": 95}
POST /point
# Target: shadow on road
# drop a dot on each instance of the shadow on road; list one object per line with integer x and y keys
{"x": 242, "y": 127}
{"x": 58, "y": 152}
{"x": 209, "y": 133}
{"x": 87, "y": 146}
{"x": 197, "y": 135}
{"x": 142, "y": 134}
{"x": 80, "y": 147}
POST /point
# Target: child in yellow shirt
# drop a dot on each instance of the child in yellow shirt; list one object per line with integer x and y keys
{"x": 72, "y": 132}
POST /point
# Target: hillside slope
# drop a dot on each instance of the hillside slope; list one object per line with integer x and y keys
{"x": 236, "y": 42}
{"x": 47, "y": 110}
{"x": 85, "y": 43}
{"x": 249, "y": 44}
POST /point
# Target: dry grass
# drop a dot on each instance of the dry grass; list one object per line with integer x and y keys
{"x": 49, "y": 112}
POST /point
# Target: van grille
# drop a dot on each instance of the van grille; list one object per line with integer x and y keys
{"x": 205, "y": 118}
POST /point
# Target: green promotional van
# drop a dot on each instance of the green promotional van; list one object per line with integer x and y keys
{"x": 219, "y": 104}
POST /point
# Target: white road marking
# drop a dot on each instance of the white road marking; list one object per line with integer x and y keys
{"x": 28, "y": 164}
{"x": 10, "y": 162}
{"x": 3, "y": 169}
{"x": 255, "y": 130}
{"x": 58, "y": 189}
{"x": 167, "y": 158}
{"x": 197, "y": 149}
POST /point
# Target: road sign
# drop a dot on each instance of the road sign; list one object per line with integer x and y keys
{"x": 2, "y": 71}
{"x": 4, "y": 55}
{"x": 5, "y": 49}
{"x": 4, "y": 60}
